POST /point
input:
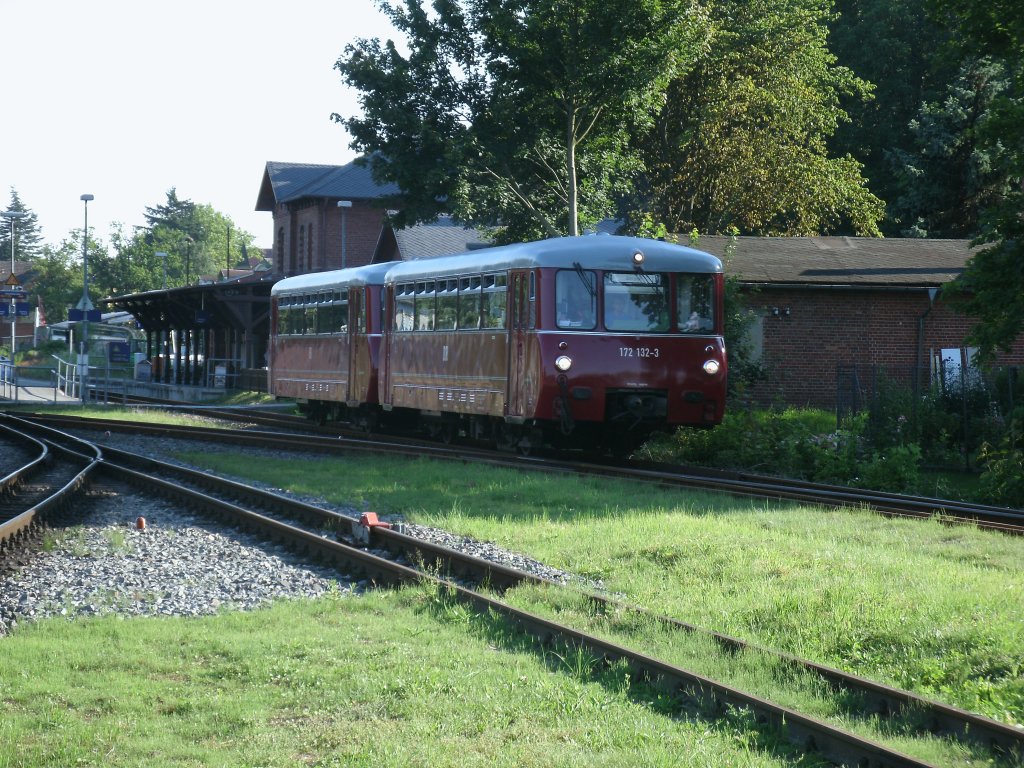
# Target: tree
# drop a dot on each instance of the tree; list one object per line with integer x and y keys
{"x": 197, "y": 239}
{"x": 895, "y": 46}
{"x": 992, "y": 286}
{"x": 949, "y": 179}
{"x": 513, "y": 114}
{"x": 742, "y": 140}
{"x": 27, "y": 231}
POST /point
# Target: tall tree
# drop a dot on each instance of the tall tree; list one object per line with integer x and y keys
{"x": 26, "y": 228}
{"x": 743, "y": 138}
{"x": 992, "y": 286}
{"x": 513, "y": 114}
{"x": 949, "y": 178}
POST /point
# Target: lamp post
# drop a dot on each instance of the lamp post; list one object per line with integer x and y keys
{"x": 344, "y": 205}
{"x": 85, "y": 303}
{"x": 163, "y": 255}
{"x": 188, "y": 259}
{"x": 13, "y": 216}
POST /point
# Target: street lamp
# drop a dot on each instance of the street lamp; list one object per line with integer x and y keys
{"x": 163, "y": 255}
{"x": 344, "y": 205}
{"x": 13, "y": 216}
{"x": 85, "y": 303}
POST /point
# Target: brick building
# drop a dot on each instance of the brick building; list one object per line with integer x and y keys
{"x": 835, "y": 311}
{"x": 325, "y": 216}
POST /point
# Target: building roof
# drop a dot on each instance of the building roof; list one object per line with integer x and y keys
{"x": 286, "y": 182}
{"x": 848, "y": 261}
{"x": 440, "y": 238}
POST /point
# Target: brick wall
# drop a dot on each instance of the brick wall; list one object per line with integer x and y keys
{"x": 307, "y": 235}
{"x": 816, "y": 330}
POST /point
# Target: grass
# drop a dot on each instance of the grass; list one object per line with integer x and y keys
{"x": 386, "y": 679}
{"x": 919, "y": 605}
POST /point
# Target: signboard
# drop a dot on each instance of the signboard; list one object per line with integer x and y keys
{"x": 118, "y": 351}
{"x": 5, "y": 310}
{"x": 12, "y": 293}
{"x": 77, "y": 315}
{"x": 202, "y": 317}
{"x": 12, "y": 279}
{"x": 22, "y": 309}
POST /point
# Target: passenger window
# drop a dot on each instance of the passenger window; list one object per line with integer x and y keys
{"x": 469, "y": 303}
{"x": 695, "y": 310}
{"x": 425, "y": 305}
{"x": 405, "y": 307}
{"x": 447, "y": 304}
{"x": 495, "y": 301}
{"x": 576, "y": 299}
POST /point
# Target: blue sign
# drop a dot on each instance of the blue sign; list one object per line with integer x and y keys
{"x": 202, "y": 317}
{"x": 5, "y": 310}
{"x": 77, "y": 315}
{"x": 22, "y": 309}
{"x": 118, "y": 351}
{"x": 74, "y": 315}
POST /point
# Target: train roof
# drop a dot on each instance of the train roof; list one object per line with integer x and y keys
{"x": 607, "y": 252}
{"x": 337, "y": 279}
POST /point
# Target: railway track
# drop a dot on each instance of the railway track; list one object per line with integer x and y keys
{"x": 333, "y": 440}
{"x": 344, "y": 542}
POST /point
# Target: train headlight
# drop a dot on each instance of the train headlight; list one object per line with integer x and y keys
{"x": 711, "y": 367}
{"x": 563, "y": 363}
{"x": 638, "y": 259}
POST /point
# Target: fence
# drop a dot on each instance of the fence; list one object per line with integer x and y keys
{"x": 949, "y": 405}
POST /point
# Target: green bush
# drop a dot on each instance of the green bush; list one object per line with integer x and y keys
{"x": 1002, "y": 477}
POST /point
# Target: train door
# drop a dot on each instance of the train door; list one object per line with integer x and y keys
{"x": 519, "y": 306}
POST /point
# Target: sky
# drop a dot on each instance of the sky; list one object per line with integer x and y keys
{"x": 125, "y": 99}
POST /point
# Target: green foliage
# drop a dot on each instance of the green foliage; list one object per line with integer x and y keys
{"x": 513, "y": 114}
{"x": 949, "y": 177}
{"x": 1002, "y": 478}
{"x": 742, "y": 140}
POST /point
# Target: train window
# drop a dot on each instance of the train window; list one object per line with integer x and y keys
{"x": 339, "y": 317}
{"x": 447, "y": 304}
{"x": 636, "y": 301}
{"x": 359, "y": 310}
{"x": 405, "y": 307}
{"x": 695, "y": 307}
{"x": 576, "y": 298}
{"x": 531, "y": 320}
{"x": 469, "y": 303}
{"x": 426, "y": 306}
{"x": 495, "y": 300}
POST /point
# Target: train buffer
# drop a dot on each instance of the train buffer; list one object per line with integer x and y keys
{"x": 368, "y": 521}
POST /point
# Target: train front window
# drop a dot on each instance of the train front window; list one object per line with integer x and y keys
{"x": 576, "y": 299}
{"x": 695, "y": 303}
{"x": 636, "y": 302}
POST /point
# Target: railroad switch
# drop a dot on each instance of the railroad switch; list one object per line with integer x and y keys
{"x": 368, "y": 521}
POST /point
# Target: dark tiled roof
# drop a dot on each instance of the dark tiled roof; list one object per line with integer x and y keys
{"x": 866, "y": 261}
{"x": 440, "y": 238}
{"x": 285, "y": 182}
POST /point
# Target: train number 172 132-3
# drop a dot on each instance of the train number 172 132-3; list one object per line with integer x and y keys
{"x": 639, "y": 352}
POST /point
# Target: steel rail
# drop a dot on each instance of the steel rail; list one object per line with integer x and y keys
{"x": 18, "y": 527}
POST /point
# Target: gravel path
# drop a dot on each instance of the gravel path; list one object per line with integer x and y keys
{"x": 181, "y": 564}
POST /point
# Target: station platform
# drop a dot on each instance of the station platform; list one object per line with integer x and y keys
{"x": 29, "y": 392}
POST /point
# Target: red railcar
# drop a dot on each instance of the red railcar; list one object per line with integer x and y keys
{"x": 568, "y": 341}
{"x": 595, "y": 340}
{"x": 325, "y": 342}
